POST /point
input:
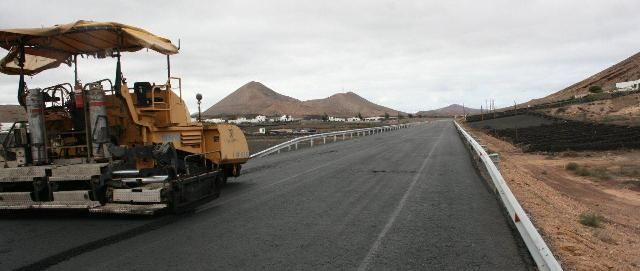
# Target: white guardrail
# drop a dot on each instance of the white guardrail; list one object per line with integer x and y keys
{"x": 311, "y": 138}
{"x": 535, "y": 244}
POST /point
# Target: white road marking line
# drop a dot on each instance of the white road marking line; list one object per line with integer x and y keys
{"x": 376, "y": 245}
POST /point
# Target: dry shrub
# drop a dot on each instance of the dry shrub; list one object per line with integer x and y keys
{"x": 605, "y": 236}
{"x": 572, "y": 166}
{"x": 583, "y": 171}
{"x": 591, "y": 219}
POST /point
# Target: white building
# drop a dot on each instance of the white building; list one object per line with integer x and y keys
{"x": 262, "y": 131}
{"x": 628, "y": 86}
{"x": 336, "y": 119}
{"x": 373, "y": 119}
{"x": 260, "y": 118}
{"x": 286, "y": 118}
{"x": 5, "y": 127}
{"x": 239, "y": 120}
{"x": 353, "y": 119}
{"x": 577, "y": 96}
{"x": 213, "y": 120}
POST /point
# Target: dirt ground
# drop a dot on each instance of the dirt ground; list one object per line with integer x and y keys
{"x": 606, "y": 184}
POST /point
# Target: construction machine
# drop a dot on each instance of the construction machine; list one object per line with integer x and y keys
{"x": 107, "y": 146}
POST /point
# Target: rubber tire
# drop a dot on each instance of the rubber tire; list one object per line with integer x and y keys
{"x": 219, "y": 181}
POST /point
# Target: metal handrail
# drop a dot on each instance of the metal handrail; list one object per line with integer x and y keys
{"x": 311, "y": 137}
{"x": 537, "y": 247}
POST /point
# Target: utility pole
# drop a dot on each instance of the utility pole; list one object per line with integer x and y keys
{"x": 493, "y": 105}
{"x": 464, "y": 113}
{"x": 486, "y": 105}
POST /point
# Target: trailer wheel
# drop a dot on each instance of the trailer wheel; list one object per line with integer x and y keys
{"x": 226, "y": 171}
{"x": 237, "y": 171}
{"x": 219, "y": 181}
{"x": 174, "y": 200}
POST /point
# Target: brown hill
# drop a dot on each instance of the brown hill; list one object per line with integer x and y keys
{"x": 256, "y": 98}
{"x": 622, "y": 110}
{"x": 626, "y": 70}
{"x": 451, "y": 110}
{"x": 347, "y": 104}
{"x": 12, "y": 113}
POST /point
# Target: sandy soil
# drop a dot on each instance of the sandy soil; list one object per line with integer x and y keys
{"x": 555, "y": 198}
{"x": 621, "y": 110}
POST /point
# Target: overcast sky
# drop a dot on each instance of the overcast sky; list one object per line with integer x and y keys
{"x": 408, "y": 55}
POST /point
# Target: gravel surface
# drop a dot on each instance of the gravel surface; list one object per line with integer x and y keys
{"x": 406, "y": 199}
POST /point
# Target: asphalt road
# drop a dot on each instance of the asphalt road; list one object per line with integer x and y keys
{"x": 402, "y": 200}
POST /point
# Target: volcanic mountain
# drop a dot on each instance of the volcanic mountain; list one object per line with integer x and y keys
{"x": 625, "y": 70}
{"x": 12, "y": 113}
{"x": 610, "y": 109}
{"x": 256, "y": 98}
{"x": 451, "y": 110}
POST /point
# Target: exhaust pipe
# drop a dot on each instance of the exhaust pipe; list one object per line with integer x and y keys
{"x": 35, "y": 113}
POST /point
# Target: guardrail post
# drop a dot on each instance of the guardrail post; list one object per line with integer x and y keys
{"x": 351, "y": 135}
{"x": 324, "y": 140}
{"x": 311, "y": 142}
{"x": 296, "y": 145}
{"x": 334, "y": 138}
{"x": 289, "y": 148}
{"x": 343, "y": 137}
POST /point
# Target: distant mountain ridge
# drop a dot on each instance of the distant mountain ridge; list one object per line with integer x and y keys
{"x": 12, "y": 113}
{"x": 451, "y": 110}
{"x": 256, "y": 98}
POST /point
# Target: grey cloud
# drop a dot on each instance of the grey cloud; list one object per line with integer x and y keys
{"x": 410, "y": 55}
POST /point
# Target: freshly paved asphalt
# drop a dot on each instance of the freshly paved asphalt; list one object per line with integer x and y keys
{"x": 402, "y": 200}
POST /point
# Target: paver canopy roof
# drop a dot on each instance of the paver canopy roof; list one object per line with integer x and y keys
{"x": 48, "y": 47}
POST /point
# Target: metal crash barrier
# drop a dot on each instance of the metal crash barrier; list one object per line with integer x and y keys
{"x": 537, "y": 247}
